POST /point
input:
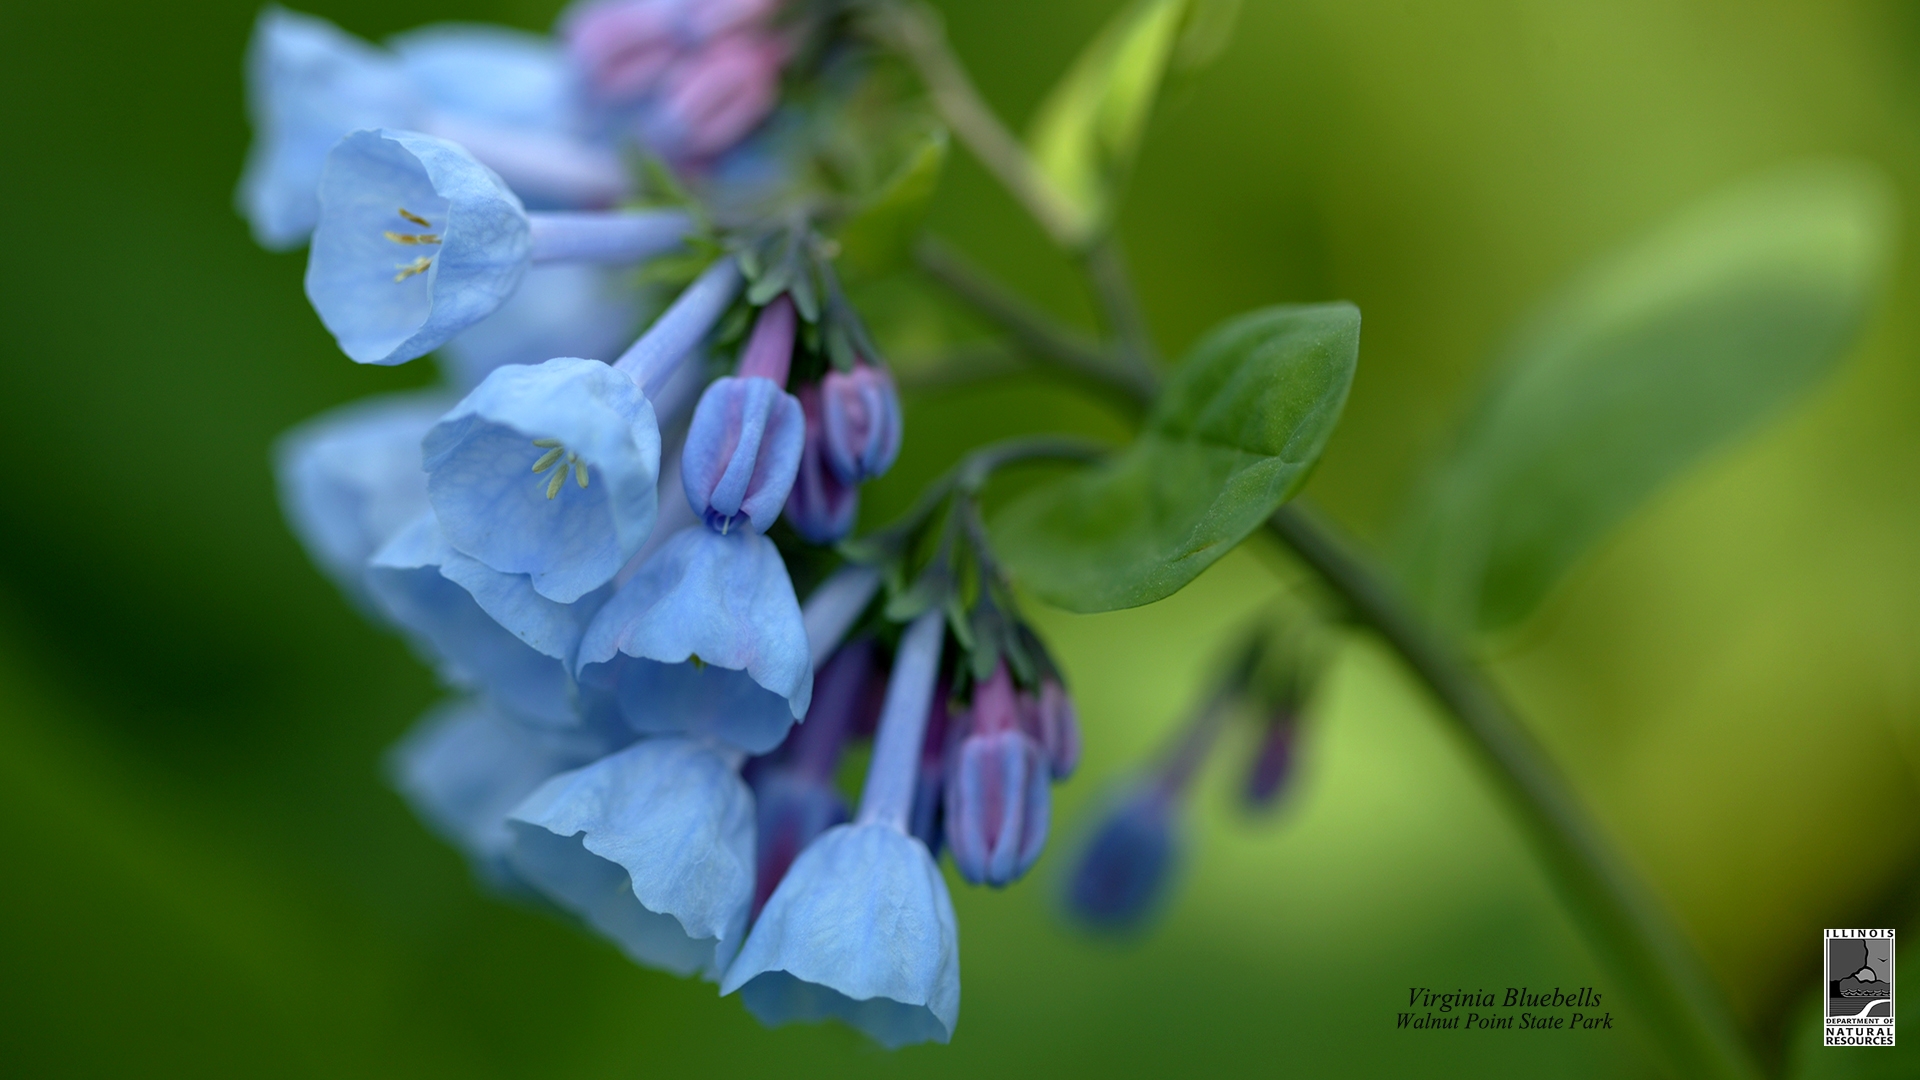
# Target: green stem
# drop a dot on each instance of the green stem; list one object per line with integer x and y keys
{"x": 1031, "y": 329}
{"x": 1106, "y": 269}
{"x": 917, "y": 34}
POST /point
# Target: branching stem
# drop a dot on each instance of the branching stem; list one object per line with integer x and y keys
{"x": 1033, "y": 329}
{"x": 1627, "y": 927}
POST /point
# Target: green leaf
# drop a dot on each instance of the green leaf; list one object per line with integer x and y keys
{"x": 1233, "y": 435}
{"x": 1086, "y": 132}
{"x": 880, "y": 235}
{"x": 1651, "y": 360}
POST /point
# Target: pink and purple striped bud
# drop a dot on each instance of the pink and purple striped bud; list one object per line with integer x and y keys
{"x": 1055, "y": 724}
{"x": 821, "y": 508}
{"x": 712, "y": 99}
{"x": 998, "y": 801}
{"x": 743, "y": 447}
{"x": 623, "y": 47}
{"x": 692, "y": 77}
{"x": 861, "y": 412}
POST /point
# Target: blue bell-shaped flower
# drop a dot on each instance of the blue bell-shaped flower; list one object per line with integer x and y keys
{"x": 484, "y": 629}
{"x": 861, "y": 929}
{"x": 417, "y": 241}
{"x": 551, "y": 471}
{"x": 466, "y": 765}
{"x": 308, "y": 83}
{"x": 350, "y": 478}
{"x": 652, "y": 846}
{"x": 706, "y": 638}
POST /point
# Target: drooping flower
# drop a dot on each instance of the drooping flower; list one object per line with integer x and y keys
{"x": 466, "y": 765}
{"x": 417, "y": 241}
{"x": 350, "y": 478}
{"x": 549, "y": 471}
{"x": 1125, "y": 867}
{"x": 504, "y": 95}
{"x": 705, "y": 639}
{"x": 484, "y": 629}
{"x": 998, "y": 799}
{"x": 861, "y": 411}
{"x": 743, "y": 448}
{"x": 308, "y": 83}
{"x": 861, "y": 929}
{"x": 651, "y": 846}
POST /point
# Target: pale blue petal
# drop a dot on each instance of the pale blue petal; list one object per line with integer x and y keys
{"x": 477, "y": 261}
{"x": 727, "y": 600}
{"x": 652, "y": 846}
{"x": 480, "y": 458}
{"x": 483, "y": 629}
{"x": 563, "y": 309}
{"x": 350, "y": 479}
{"x": 308, "y": 83}
{"x": 465, "y": 765}
{"x": 860, "y": 930}
{"x": 491, "y": 73}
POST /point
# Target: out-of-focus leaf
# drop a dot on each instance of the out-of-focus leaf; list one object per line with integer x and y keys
{"x": 880, "y": 236}
{"x": 1234, "y": 434}
{"x": 1085, "y": 134}
{"x": 1649, "y": 361}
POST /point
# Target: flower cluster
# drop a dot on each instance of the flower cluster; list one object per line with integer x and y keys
{"x": 593, "y": 530}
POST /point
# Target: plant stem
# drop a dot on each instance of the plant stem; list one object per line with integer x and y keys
{"x": 1628, "y": 928}
{"x": 1106, "y": 268}
{"x": 917, "y": 33}
{"x": 1032, "y": 329}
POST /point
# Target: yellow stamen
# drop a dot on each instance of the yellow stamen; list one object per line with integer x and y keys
{"x": 547, "y": 459}
{"x": 543, "y": 443}
{"x": 698, "y": 664}
{"x": 416, "y": 219}
{"x": 412, "y": 238}
{"x": 407, "y": 270}
{"x": 553, "y": 485}
{"x": 580, "y": 475}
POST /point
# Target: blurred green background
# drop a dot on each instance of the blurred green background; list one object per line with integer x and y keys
{"x": 204, "y": 873}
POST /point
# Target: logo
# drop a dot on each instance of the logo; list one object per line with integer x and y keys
{"x": 1859, "y": 967}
